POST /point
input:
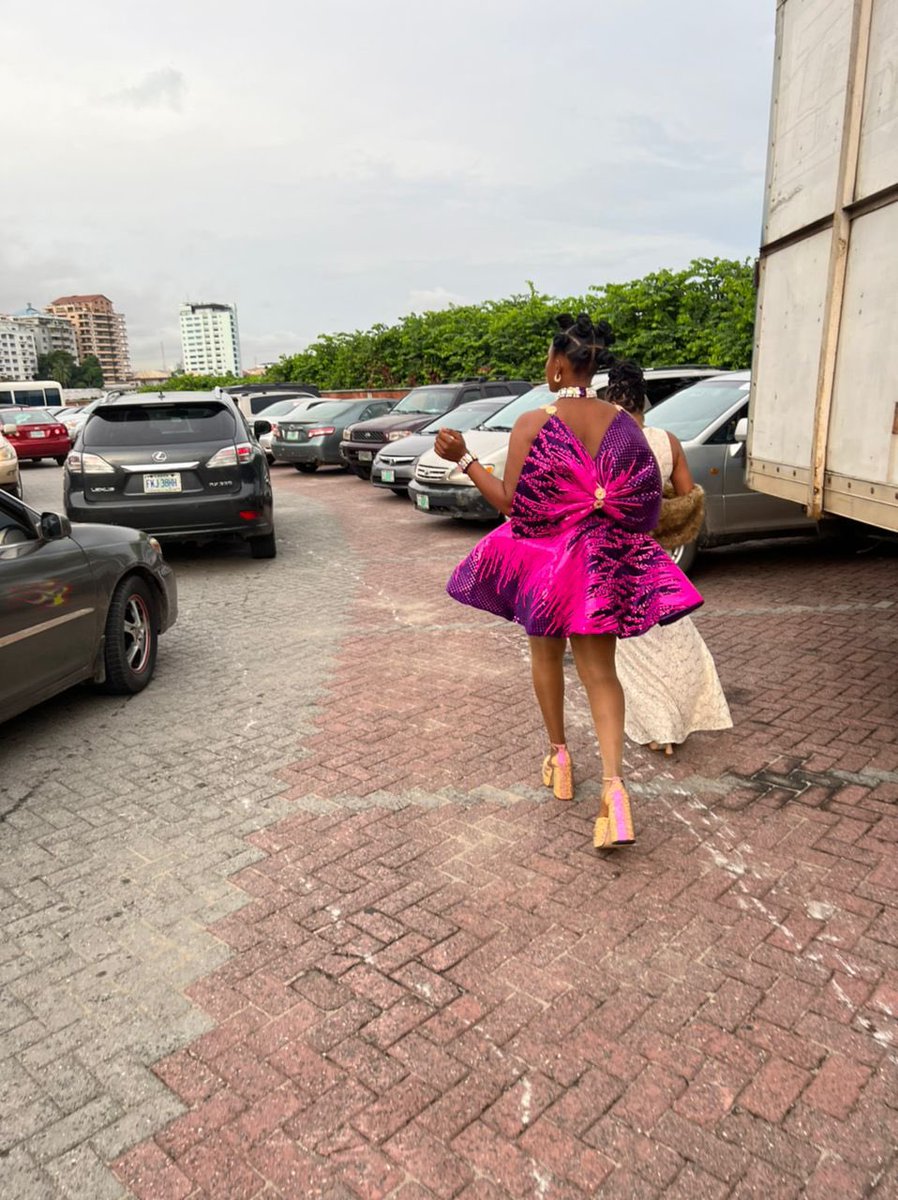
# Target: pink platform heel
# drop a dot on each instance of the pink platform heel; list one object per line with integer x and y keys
{"x": 614, "y": 825}
{"x": 558, "y": 772}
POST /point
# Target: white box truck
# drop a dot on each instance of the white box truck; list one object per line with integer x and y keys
{"x": 823, "y": 426}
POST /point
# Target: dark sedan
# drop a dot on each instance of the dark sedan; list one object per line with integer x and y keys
{"x": 394, "y": 466}
{"x": 180, "y": 465}
{"x": 313, "y": 439}
{"x": 77, "y": 602}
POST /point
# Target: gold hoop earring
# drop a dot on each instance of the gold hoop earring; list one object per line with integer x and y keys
{"x": 558, "y": 377}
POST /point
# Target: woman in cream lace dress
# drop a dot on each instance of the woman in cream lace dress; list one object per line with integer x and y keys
{"x": 668, "y": 675}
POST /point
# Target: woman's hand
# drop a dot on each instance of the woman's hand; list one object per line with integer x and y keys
{"x": 450, "y": 445}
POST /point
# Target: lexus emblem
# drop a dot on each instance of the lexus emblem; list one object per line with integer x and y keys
{"x": 160, "y": 456}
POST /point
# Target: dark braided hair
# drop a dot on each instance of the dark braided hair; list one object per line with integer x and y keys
{"x": 626, "y": 385}
{"x": 583, "y": 344}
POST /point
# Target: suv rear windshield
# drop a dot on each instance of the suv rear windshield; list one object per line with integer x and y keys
{"x": 426, "y": 400}
{"x": 690, "y": 412}
{"x": 156, "y": 425}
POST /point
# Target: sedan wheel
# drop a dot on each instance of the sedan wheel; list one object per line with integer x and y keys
{"x": 131, "y": 638}
{"x": 685, "y": 556}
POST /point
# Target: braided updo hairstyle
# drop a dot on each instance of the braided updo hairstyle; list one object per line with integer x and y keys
{"x": 626, "y": 385}
{"x": 584, "y": 344}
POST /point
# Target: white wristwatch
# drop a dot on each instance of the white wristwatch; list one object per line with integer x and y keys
{"x": 465, "y": 461}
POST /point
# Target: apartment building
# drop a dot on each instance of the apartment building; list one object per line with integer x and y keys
{"x": 99, "y": 330}
{"x": 50, "y": 333}
{"x": 210, "y": 341}
{"x": 18, "y": 353}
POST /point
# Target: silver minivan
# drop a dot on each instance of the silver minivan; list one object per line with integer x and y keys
{"x": 711, "y": 420}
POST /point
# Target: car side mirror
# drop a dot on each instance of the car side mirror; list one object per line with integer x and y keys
{"x": 260, "y": 427}
{"x": 53, "y": 526}
{"x": 8, "y": 429}
{"x": 741, "y": 432}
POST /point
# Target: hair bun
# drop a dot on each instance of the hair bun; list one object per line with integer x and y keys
{"x": 604, "y": 333}
{"x": 583, "y": 326}
{"x": 565, "y": 321}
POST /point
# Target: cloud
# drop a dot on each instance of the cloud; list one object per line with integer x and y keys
{"x": 340, "y": 194}
{"x": 164, "y": 88}
{"x": 433, "y": 299}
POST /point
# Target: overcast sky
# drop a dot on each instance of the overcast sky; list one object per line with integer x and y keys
{"x": 328, "y": 165}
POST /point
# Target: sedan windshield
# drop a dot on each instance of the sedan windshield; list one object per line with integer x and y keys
{"x": 426, "y": 400}
{"x": 504, "y": 419}
{"x": 29, "y": 416}
{"x": 463, "y": 418}
{"x": 280, "y": 408}
{"x": 158, "y": 424}
{"x": 690, "y": 412}
{"x": 324, "y": 412}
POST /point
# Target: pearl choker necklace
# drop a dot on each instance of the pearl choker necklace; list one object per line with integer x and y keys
{"x": 566, "y": 393}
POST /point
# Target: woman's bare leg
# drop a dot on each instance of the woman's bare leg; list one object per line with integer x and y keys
{"x": 547, "y": 667}
{"x": 594, "y": 656}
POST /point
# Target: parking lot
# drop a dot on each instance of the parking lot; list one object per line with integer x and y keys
{"x": 298, "y": 920}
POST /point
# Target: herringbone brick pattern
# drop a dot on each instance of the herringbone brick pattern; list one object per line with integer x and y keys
{"x": 299, "y": 921}
{"x": 437, "y": 989}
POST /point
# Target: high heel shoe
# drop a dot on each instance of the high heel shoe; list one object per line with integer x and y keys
{"x": 614, "y": 825}
{"x": 558, "y": 772}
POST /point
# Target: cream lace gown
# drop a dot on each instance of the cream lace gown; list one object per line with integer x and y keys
{"x": 669, "y": 679}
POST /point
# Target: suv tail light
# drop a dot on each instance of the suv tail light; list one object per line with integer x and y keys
{"x": 230, "y": 456}
{"x": 321, "y": 431}
{"x": 89, "y": 464}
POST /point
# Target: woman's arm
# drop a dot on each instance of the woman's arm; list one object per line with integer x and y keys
{"x": 680, "y": 476}
{"x": 498, "y": 492}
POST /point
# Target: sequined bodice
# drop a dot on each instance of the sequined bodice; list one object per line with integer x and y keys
{"x": 562, "y": 485}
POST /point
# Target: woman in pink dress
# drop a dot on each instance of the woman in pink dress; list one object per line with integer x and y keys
{"x": 575, "y": 560}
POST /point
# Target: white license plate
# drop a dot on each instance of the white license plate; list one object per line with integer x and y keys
{"x": 38, "y": 433}
{"x": 422, "y": 502}
{"x": 292, "y": 435}
{"x": 162, "y": 483}
{"x": 365, "y": 455}
{"x": 388, "y": 476}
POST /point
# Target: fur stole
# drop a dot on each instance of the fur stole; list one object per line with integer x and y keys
{"x": 681, "y": 517}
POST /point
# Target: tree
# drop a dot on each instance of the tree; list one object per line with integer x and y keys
{"x": 61, "y": 366}
{"x": 703, "y": 314}
{"x": 194, "y": 383}
{"x": 90, "y": 373}
{"x": 58, "y": 365}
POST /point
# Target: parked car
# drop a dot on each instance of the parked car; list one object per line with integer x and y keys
{"x": 711, "y": 420}
{"x": 264, "y": 425}
{"x": 440, "y": 488}
{"x": 80, "y": 602}
{"x": 313, "y": 439}
{"x": 180, "y": 465}
{"x": 256, "y": 398}
{"x": 394, "y": 465}
{"x": 10, "y": 476}
{"x": 413, "y": 412}
{"x": 74, "y": 418}
{"x": 34, "y": 434}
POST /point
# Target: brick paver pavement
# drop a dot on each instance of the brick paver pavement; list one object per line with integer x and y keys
{"x": 428, "y": 984}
